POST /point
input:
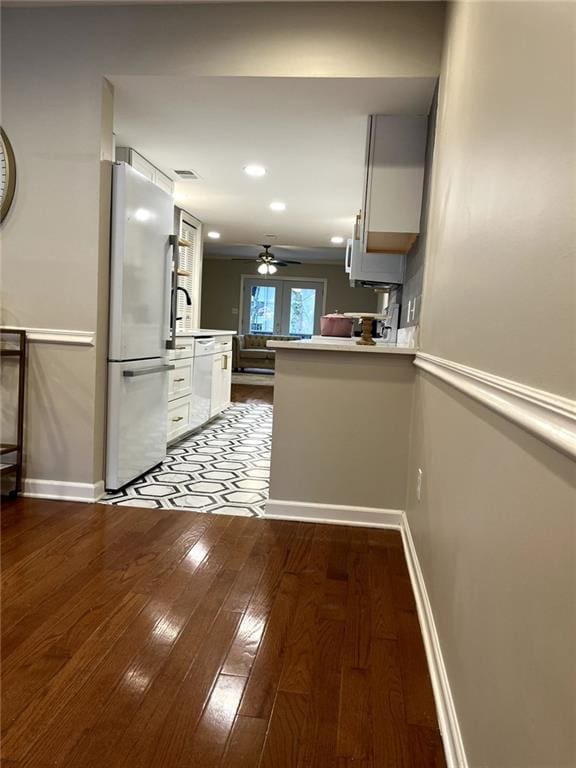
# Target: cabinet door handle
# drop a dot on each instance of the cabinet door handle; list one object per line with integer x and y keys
{"x": 224, "y": 362}
{"x": 178, "y": 418}
{"x": 180, "y": 379}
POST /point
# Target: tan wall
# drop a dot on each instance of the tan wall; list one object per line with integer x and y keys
{"x": 495, "y": 530}
{"x": 54, "y": 270}
{"x": 221, "y": 280}
{"x": 336, "y": 438}
{"x": 55, "y": 250}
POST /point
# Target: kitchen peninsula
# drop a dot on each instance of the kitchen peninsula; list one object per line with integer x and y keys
{"x": 342, "y": 415}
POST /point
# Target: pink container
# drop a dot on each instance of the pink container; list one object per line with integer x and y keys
{"x": 336, "y": 325}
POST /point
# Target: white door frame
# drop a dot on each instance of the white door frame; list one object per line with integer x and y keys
{"x": 243, "y": 278}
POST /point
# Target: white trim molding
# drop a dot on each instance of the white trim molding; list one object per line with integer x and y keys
{"x": 312, "y": 512}
{"x": 54, "y": 336}
{"x": 445, "y": 709}
{"x": 62, "y": 490}
{"x": 372, "y": 517}
{"x": 547, "y": 416}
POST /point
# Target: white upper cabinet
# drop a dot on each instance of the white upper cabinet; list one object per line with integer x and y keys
{"x": 189, "y": 229}
{"x": 389, "y": 222}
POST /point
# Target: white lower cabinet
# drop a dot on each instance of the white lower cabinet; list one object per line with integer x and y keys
{"x": 179, "y": 412}
{"x": 221, "y": 381}
{"x": 199, "y": 385}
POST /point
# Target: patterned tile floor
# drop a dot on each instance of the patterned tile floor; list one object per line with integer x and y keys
{"x": 222, "y": 469}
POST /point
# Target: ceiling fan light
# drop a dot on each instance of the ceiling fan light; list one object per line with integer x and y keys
{"x": 263, "y": 269}
{"x": 272, "y": 269}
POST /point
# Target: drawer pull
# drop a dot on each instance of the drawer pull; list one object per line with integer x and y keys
{"x": 178, "y": 418}
{"x": 182, "y": 347}
{"x": 180, "y": 379}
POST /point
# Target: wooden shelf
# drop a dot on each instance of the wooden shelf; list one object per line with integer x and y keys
{"x": 8, "y": 336}
{"x": 183, "y": 273}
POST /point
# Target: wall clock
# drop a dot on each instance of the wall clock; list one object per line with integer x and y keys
{"x": 7, "y": 174}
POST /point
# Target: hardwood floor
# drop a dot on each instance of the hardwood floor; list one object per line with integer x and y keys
{"x": 167, "y": 639}
{"x": 243, "y": 393}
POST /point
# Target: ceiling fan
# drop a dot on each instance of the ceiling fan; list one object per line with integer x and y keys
{"x": 267, "y": 263}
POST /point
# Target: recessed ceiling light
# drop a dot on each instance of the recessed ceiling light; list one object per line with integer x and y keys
{"x": 277, "y": 206}
{"x": 214, "y": 235}
{"x": 337, "y": 240}
{"x": 255, "y": 170}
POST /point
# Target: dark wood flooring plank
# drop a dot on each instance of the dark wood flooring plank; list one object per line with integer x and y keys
{"x": 416, "y": 685}
{"x": 186, "y": 709}
{"x": 383, "y": 610}
{"x": 354, "y": 738}
{"x": 390, "y": 734}
{"x": 297, "y": 670}
{"x": 318, "y": 749}
{"x": 358, "y": 611}
{"x": 263, "y": 681}
{"x": 283, "y": 744}
{"x": 245, "y": 744}
{"x": 205, "y": 745}
{"x": 244, "y": 393}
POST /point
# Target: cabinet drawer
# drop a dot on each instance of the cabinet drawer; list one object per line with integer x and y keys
{"x": 180, "y": 381}
{"x": 223, "y": 344}
{"x": 184, "y": 349}
{"x": 179, "y": 417}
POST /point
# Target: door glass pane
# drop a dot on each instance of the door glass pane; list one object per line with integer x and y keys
{"x": 302, "y": 304}
{"x": 262, "y": 303}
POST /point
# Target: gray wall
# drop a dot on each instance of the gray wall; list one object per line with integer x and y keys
{"x": 496, "y": 528}
{"x": 416, "y": 258}
{"x": 221, "y": 280}
{"x": 336, "y": 438}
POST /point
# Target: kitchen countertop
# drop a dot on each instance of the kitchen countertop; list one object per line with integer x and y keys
{"x": 205, "y": 332}
{"x": 332, "y": 344}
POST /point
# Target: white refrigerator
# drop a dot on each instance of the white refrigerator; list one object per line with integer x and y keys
{"x": 140, "y": 326}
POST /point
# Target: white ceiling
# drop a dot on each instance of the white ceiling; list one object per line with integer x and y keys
{"x": 310, "y": 133}
{"x": 330, "y": 255}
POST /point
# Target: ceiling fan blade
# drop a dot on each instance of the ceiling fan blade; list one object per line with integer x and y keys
{"x": 288, "y": 261}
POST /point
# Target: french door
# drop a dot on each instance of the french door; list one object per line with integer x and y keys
{"x": 282, "y": 307}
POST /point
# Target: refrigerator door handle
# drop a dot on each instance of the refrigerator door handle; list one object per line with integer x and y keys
{"x": 172, "y": 293}
{"x": 146, "y": 371}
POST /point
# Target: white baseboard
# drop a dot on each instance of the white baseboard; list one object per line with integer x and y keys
{"x": 394, "y": 518}
{"x": 447, "y": 718}
{"x": 333, "y": 513}
{"x": 63, "y": 491}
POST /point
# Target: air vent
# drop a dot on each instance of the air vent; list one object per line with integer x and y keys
{"x": 187, "y": 174}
